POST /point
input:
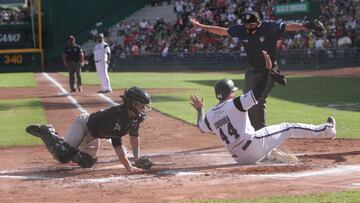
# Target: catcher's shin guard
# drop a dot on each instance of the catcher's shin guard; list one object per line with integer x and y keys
{"x": 84, "y": 159}
{"x": 57, "y": 147}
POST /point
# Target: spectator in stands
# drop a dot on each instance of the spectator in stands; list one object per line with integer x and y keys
{"x": 344, "y": 42}
{"x": 339, "y": 17}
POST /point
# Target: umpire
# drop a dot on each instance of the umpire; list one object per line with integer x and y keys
{"x": 73, "y": 58}
{"x": 257, "y": 35}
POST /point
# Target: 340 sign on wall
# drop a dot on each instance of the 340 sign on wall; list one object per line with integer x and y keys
{"x": 19, "y": 59}
{"x": 12, "y": 59}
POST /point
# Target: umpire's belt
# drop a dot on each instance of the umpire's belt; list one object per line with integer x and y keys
{"x": 257, "y": 70}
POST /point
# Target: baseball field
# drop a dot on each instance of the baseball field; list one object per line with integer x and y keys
{"x": 188, "y": 165}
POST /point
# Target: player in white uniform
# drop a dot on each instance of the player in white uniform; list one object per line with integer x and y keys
{"x": 102, "y": 55}
{"x": 229, "y": 120}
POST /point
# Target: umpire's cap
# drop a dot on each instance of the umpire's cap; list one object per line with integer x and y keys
{"x": 250, "y": 17}
{"x": 223, "y": 88}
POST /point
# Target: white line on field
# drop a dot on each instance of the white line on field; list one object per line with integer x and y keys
{"x": 110, "y": 101}
{"x": 336, "y": 171}
{"x": 64, "y": 92}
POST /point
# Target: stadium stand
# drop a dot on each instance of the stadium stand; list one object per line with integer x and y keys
{"x": 173, "y": 34}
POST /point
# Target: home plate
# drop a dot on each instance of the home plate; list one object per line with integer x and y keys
{"x": 63, "y": 94}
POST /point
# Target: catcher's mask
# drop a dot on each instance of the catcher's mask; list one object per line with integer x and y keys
{"x": 138, "y": 101}
{"x": 223, "y": 88}
{"x": 251, "y": 20}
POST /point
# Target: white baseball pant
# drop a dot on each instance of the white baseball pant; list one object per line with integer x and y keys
{"x": 78, "y": 136}
{"x": 102, "y": 72}
{"x": 270, "y": 137}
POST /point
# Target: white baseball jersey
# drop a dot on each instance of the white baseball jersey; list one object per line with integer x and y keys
{"x": 229, "y": 120}
{"x": 100, "y": 51}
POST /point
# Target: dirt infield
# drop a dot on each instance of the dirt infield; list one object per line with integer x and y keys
{"x": 188, "y": 164}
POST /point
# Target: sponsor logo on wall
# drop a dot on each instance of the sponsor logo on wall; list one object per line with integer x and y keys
{"x": 11, "y": 38}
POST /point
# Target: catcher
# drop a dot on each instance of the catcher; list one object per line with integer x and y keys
{"x": 81, "y": 144}
{"x": 258, "y": 35}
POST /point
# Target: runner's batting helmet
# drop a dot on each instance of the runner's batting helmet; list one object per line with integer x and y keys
{"x": 223, "y": 88}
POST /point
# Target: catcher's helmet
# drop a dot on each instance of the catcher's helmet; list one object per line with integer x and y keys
{"x": 223, "y": 88}
{"x": 138, "y": 101}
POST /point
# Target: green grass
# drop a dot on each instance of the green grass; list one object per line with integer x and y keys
{"x": 15, "y": 116}
{"x": 17, "y": 80}
{"x": 334, "y": 197}
{"x": 154, "y": 80}
{"x": 306, "y": 99}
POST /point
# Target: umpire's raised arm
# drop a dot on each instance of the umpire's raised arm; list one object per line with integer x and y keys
{"x": 210, "y": 28}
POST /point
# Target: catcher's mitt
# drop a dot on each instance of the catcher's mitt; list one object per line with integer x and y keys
{"x": 315, "y": 26}
{"x": 144, "y": 162}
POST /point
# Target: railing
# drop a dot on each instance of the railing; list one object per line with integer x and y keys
{"x": 289, "y": 59}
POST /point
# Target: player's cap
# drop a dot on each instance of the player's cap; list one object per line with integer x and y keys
{"x": 100, "y": 35}
{"x": 223, "y": 88}
{"x": 250, "y": 17}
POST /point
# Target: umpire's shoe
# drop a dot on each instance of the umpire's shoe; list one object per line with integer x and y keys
{"x": 332, "y": 125}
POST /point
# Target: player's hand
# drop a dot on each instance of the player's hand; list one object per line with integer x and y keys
{"x": 195, "y": 23}
{"x": 267, "y": 60}
{"x": 133, "y": 169}
{"x": 196, "y": 102}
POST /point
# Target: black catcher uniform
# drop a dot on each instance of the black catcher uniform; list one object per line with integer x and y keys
{"x": 82, "y": 141}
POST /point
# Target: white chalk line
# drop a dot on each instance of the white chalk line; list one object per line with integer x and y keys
{"x": 109, "y": 100}
{"x": 64, "y": 92}
{"x": 336, "y": 171}
{"x": 151, "y": 155}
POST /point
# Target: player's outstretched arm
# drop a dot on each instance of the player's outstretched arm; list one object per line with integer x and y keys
{"x": 249, "y": 99}
{"x": 121, "y": 154}
{"x": 135, "y": 146}
{"x": 210, "y": 28}
{"x": 268, "y": 63}
{"x": 260, "y": 86}
{"x": 198, "y": 105}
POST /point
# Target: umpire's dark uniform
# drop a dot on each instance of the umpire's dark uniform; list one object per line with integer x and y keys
{"x": 265, "y": 38}
{"x": 73, "y": 57}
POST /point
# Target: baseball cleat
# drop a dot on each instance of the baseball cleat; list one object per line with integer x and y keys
{"x": 332, "y": 124}
{"x": 34, "y": 129}
{"x": 282, "y": 157}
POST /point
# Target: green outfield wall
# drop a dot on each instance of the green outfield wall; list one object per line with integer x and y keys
{"x": 65, "y": 17}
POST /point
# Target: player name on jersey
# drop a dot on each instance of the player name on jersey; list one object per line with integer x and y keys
{"x": 221, "y": 122}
